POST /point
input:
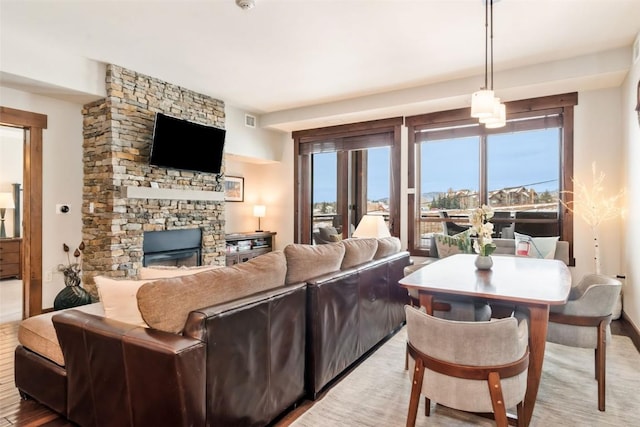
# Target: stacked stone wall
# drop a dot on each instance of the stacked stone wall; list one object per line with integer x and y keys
{"x": 117, "y": 135}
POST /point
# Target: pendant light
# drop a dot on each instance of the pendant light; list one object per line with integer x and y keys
{"x": 484, "y": 104}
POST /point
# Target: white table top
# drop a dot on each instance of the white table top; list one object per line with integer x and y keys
{"x": 514, "y": 279}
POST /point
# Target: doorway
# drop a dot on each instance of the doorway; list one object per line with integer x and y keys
{"x": 344, "y": 172}
{"x": 348, "y": 185}
{"x": 32, "y": 126}
{"x": 11, "y": 170}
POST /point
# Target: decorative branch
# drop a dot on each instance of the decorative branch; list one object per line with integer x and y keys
{"x": 594, "y": 207}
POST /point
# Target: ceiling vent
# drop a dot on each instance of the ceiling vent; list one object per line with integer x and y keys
{"x": 249, "y": 121}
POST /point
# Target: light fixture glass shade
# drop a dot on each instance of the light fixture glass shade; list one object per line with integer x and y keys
{"x": 259, "y": 211}
{"x": 500, "y": 117}
{"x": 6, "y": 201}
{"x": 482, "y": 104}
{"x": 372, "y": 226}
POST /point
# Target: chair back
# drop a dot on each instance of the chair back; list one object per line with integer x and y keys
{"x": 470, "y": 344}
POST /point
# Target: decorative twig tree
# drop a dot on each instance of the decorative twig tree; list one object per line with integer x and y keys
{"x": 594, "y": 207}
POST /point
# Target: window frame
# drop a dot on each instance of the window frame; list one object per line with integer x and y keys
{"x": 458, "y": 123}
{"x": 338, "y": 138}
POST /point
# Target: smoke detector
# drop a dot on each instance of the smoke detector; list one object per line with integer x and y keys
{"x": 246, "y": 4}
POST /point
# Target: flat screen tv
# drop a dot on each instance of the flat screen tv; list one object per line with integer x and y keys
{"x": 181, "y": 144}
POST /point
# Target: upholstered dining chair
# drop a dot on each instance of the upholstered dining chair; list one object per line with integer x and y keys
{"x": 469, "y": 366}
{"x": 461, "y": 309}
{"x": 584, "y": 321}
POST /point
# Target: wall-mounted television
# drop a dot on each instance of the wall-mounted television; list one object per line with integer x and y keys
{"x": 181, "y": 144}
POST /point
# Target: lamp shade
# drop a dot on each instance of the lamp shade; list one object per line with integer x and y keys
{"x": 482, "y": 104}
{"x": 6, "y": 201}
{"x": 499, "y": 118}
{"x": 259, "y": 211}
{"x": 372, "y": 226}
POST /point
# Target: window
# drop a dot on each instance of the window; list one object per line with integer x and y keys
{"x": 345, "y": 172}
{"x": 522, "y": 170}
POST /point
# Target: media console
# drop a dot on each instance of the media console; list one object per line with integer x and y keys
{"x": 241, "y": 247}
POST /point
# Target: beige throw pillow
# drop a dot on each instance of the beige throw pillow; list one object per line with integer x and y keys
{"x": 358, "y": 251}
{"x": 165, "y": 304}
{"x": 387, "y": 246}
{"x": 118, "y": 296}
{"x": 305, "y": 262}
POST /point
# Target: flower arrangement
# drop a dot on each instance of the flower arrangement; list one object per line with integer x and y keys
{"x": 481, "y": 227}
{"x": 72, "y": 270}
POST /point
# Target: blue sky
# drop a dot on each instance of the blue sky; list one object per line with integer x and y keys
{"x": 525, "y": 158}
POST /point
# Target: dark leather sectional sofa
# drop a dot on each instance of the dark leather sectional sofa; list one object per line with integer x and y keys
{"x": 242, "y": 362}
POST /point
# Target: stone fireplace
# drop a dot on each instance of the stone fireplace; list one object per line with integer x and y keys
{"x": 117, "y": 135}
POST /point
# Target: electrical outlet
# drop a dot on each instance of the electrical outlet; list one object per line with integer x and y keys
{"x": 48, "y": 276}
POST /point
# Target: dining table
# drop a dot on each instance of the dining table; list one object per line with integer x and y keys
{"x": 528, "y": 284}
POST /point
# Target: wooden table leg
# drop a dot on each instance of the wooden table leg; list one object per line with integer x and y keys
{"x": 538, "y": 322}
{"x": 426, "y": 301}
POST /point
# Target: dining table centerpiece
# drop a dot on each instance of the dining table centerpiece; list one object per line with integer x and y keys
{"x": 483, "y": 229}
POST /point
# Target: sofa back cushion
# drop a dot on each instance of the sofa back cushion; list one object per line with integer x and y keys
{"x": 165, "y": 272}
{"x": 387, "y": 246}
{"x": 308, "y": 261}
{"x": 358, "y": 251}
{"x": 166, "y": 303}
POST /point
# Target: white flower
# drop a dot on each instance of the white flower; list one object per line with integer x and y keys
{"x": 483, "y": 229}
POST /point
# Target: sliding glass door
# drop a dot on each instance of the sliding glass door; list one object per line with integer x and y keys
{"x": 343, "y": 174}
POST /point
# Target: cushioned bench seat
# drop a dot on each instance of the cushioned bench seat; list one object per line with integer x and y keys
{"x": 38, "y": 334}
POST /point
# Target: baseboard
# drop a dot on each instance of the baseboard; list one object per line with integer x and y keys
{"x": 631, "y": 330}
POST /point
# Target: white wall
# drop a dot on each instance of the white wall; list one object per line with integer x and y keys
{"x": 62, "y": 179}
{"x": 598, "y": 138}
{"x": 255, "y": 145}
{"x": 268, "y": 184}
{"x": 629, "y": 162}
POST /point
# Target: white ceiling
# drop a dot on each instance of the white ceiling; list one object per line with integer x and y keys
{"x": 286, "y": 54}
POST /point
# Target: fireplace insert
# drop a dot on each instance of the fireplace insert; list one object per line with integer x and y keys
{"x": 172, "y": 248}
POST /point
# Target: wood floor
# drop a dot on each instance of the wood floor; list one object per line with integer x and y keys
{"x": 26, "y": 413}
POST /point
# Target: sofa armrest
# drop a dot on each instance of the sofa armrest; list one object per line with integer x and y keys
{"x": 130, "y": 375}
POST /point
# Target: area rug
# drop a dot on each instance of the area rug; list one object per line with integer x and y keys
{"x": 376, "y": 393}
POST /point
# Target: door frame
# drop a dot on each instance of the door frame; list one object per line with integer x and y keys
{"x": 32, "y": 125}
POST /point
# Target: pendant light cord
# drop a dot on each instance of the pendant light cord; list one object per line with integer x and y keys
{"x": 491, "y": 44}
{"x": 486, "y": 42}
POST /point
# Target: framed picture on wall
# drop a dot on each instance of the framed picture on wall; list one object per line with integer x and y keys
{"x": 233, "y": 189}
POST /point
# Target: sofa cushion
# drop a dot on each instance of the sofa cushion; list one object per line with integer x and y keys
{"x": 535, "y": 247}
{"x": 387, "y": 246}
{"x": 166, "y": 303}
{"x": 163, "y": 272}
{"x": 38, "y": 334}
{"x": 358, "y": 251}
{"x": 118, "y": 297}
{"x": 450, "y": 245}
{"x": 327, "y": 232}
{"x": 308, "y": 261}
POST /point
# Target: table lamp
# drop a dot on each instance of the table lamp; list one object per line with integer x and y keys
{"x": 259, "y": 211}
{"x": 372, "y": 226}
{"x": 6, "y": 202}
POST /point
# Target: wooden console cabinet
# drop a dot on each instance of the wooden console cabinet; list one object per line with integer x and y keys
{"x": 241, "y": 247}
{"x": 10, "y": 258}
